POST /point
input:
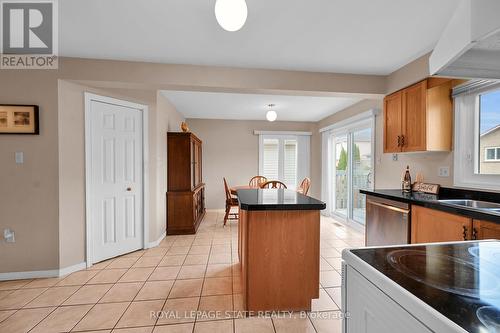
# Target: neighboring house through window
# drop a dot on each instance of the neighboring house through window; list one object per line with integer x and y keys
{"x": 489, "y": 128}
{"x": 491, "y": 154}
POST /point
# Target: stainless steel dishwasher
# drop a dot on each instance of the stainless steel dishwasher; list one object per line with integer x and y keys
{"x": 387, "y": 222}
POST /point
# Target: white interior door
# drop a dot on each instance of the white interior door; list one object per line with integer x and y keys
{"x": 116, "y": 179}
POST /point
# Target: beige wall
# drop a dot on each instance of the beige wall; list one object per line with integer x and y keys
{"x": 151, "y": 76}
{"x": 387, "y": 171}
{"x": 412, "y": 72}
{"x": 168, "y": 120}
{"x": 30, "y": 202}
{"x": 162, "y": 118}
{"x": 29, "y": 191}
{"x": 72, "y": 165}
{"x": 231, "y": 150}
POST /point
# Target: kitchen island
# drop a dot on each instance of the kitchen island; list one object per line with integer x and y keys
{"x": 278, "y": 244}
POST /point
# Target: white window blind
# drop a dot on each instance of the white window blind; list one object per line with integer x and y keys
{"x": 271, "y": 159}
{"x": 284, "y": 158}
{"x": 290, "y": 163}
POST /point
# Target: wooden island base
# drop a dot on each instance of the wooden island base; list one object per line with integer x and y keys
{"x": 279, "y": 256}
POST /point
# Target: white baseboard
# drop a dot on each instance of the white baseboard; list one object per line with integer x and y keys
{"x": 42, "y": 274}
{"x": 71, "y": 269}
{"x": 158, "y": 241}
{"x": 29, "y": 275}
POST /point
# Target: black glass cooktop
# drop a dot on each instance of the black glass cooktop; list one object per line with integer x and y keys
{"x": 461, "y": 281}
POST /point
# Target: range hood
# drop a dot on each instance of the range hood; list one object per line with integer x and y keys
{"x": 470, "y": 44}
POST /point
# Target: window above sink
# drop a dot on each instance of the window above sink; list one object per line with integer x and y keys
{"x": 477, "y": 135}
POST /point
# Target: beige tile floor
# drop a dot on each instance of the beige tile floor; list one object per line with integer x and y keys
{"x": 192, "y": 282}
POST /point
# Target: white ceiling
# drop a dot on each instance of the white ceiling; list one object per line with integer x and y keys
{"x": 349, "y": 36}
{"x": 210, "y": 105}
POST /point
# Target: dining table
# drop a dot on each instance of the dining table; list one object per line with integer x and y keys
{"x": 234, "y": 189}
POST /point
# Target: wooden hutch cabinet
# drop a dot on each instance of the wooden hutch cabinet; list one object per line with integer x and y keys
{"x": 186, "y": 190}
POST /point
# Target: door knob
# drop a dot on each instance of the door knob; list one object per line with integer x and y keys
{"x": 129, "y": 189}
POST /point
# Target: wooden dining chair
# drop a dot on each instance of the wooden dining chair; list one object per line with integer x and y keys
{"x": 304, "y": 186}
{"x": 273, "y": 184}
{"x": 257, "y": 181}
{"x": 230, "y": 203}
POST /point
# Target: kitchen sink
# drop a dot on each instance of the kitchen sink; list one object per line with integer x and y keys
{"x": 474, "y": 204}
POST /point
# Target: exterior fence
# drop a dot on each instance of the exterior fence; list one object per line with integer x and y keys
{"x": 361, "y": 179}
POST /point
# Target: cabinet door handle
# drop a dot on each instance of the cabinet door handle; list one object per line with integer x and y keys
{"x": 474, "y": 233}
{"x": 402, "y": 140}
{"x": 399, "y": 140}
{"x": 465, "y": 232}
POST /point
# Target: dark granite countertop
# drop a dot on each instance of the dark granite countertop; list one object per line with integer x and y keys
{"x": 277, "y": 199}
{"x": 432, "y": 201}
{"x": 459, "y": 280}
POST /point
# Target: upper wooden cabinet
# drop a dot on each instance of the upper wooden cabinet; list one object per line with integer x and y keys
{"x": 419, "y": 118}
{"x": 393, "y": 112}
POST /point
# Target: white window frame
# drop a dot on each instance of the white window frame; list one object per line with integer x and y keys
{"x": 466, "y": 143}
{"x": 303, "y": 151}
{"x": 497, "y": 155}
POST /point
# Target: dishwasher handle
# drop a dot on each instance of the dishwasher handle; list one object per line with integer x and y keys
{"x": 396, "y": 209}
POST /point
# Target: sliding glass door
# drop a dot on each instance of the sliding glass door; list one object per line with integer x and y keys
{"x": 361, "y": 171}
{"x": 340, "y": 180}
{"x": 351, "y": 170}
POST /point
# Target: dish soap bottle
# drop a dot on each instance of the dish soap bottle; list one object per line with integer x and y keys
{"x": 407, "y": 180}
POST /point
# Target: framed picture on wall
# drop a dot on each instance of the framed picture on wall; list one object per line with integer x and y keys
{"x": 19, "y": 119}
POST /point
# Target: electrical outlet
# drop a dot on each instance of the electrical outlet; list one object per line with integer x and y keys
{"x": 395, "y": 157}
{"x": 9, "y": 236}
{"x": 444, "y": 171}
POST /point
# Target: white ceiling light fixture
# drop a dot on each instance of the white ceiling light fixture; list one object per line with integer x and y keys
{"x": 231, "y": 14}
{"x": 271, "y": 115}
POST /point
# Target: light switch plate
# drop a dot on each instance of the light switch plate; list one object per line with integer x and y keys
{"x": 19, "y": 157}
{"x": 444, "y": 171}
{"x": 9, "y": 236}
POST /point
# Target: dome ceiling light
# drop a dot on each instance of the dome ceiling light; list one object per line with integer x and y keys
{"x": 231, "y": 14}
{"x": 271, "y": 115}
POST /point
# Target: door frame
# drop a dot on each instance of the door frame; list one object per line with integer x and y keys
{"x": 89, "y": 98}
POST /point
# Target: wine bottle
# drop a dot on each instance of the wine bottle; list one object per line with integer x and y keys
{"x": 407, "y": 180}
